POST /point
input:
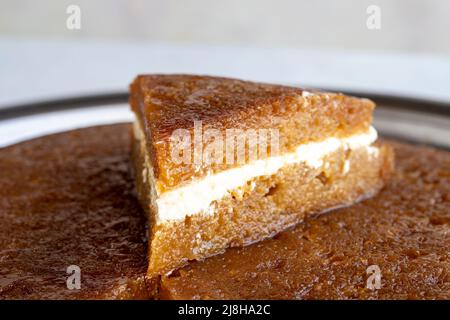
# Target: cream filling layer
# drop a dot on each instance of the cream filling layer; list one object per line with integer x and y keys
{"x": 198, "y": 196}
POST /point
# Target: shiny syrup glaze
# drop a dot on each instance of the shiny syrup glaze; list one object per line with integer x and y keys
{"x": 68, "y": 199}
{"x": 404, "y": 230}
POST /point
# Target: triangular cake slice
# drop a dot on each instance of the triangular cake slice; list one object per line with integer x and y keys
{"x": 221, "y": 162}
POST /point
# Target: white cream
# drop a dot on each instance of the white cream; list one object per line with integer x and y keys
{"x": 196, "y": 197}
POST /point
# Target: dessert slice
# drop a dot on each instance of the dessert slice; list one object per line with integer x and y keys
{"x": 222, "y": 162}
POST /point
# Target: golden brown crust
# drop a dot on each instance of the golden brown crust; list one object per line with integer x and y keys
{"x": 164, "y": 103}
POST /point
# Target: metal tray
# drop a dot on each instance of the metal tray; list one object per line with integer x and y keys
{"x": 401, "y": 118}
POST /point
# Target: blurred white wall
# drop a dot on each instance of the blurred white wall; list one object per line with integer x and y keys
{"x": 406, "y": 25}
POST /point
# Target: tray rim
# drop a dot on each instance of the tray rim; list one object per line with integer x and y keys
{"x": 93, "y": 100}
{"x": 438, "y": 110}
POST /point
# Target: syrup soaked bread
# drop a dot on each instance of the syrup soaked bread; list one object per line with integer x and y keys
{"x": 320, "y": 152}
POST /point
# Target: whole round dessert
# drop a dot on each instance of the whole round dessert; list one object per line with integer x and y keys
{"x": 69, "y": 200}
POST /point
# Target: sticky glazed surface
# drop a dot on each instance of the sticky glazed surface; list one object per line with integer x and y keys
{"x": 165, "y": 103}
{"x": 404, "y": 230}
{"x": 67, "y": 199}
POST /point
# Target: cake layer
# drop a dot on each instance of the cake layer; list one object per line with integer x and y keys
{"x": 264, "y": 206}
{"x": 166, "y": 103}
{"x": 196, "y": 196}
